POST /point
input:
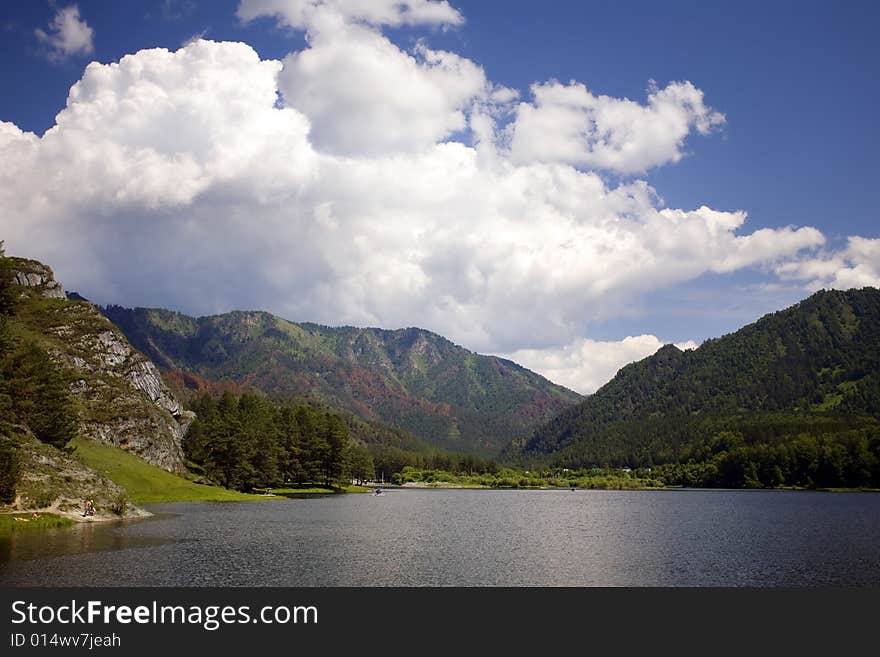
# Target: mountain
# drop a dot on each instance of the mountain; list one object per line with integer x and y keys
{"x": 410, "y": 378}
{"x": 119, "y": 396}
{"x": 811, "y": 371}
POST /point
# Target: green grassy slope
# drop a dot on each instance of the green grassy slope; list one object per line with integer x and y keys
{"x": 147, "y": 483}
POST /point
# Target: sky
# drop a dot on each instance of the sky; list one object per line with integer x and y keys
{"x": 566, "y": 184}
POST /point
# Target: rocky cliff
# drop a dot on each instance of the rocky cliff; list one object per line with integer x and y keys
{"x": 121, "y": 398}
{"x": 35, "y": 278}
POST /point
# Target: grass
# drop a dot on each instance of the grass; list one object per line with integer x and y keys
{"x": 147, "y": 483}
{"x": 8, "y": 522}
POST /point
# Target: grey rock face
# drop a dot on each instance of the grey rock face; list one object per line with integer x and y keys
{"x": 38, "y": 278}
{"x": 126, "y": 403}
{"x": 145, "y": 376}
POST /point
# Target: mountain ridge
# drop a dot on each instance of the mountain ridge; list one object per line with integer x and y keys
{"x": 814, "y": 364}
{"x": 412, "y": 378}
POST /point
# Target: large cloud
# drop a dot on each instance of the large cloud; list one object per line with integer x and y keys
{"x": 182, "y": 179}
{"x": 363, "y": 95}
{"x": 157, "y": 129}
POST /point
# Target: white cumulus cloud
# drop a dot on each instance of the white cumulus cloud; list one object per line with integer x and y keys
{"x": 857, "y": 265}
{"x": 68, "y": 34}
{"x": 306, "y": 13}
{"x": 586, "y": 365}
{"x": 568, "y": 123}
{"x": 363, "y": 95}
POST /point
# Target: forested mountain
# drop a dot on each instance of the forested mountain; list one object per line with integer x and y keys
{"x": 802, "y": 383}
{"x": 411, "y": 378}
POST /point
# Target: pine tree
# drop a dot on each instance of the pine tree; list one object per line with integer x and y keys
{"x": 335, "y": 456}
{"x": 39, "y": 395}
{"x": 362, "y": 467}
{"x": 10, "y": 462}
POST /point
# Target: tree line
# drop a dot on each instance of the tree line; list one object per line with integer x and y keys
{"x": 392, "y": 460}
{"x": 247, "y": 442}
{"x": 828, "y": 460}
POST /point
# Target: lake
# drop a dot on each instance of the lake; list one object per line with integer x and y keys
{"x": 471, "y": 538}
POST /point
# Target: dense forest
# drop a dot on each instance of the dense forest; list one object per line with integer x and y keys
{"x": 793, "y": 399}
{"x": 247, "y": 441}
{"x": 836, "y": 458}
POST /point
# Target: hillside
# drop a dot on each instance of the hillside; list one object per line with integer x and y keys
{"x": 144, "y": 482}
{"x": 377, "y": 436}
{"x": 119, "y": 396}
{"x": 83, "y": 415}
{"x": 811, "y": 371}
{"x": 54, "y": 481}
{"x": 411, "y": 378}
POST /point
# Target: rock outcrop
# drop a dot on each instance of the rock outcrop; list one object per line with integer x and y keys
{"x": 122, "y": 400}
{"x": 36, "y": 279}
{"x": 125, "y": 401}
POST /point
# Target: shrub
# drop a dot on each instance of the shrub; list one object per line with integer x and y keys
{"x": 41, "y": 499}
{"x": 119, "y": 505}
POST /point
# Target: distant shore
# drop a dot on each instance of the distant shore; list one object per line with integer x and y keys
{"x": 421, "y": 485}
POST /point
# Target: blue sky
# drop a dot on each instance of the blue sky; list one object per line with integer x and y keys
{"x": 795, "y": 81}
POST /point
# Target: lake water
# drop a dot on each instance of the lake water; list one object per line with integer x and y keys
{"x": 472, "y": 538}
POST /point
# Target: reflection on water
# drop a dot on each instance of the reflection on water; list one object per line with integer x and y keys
{"x": 473, "y": 538}
{"x": 81, "y": 537}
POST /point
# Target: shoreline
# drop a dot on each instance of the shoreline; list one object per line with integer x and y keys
{"x": 418, "y": 485}
{"x": 74, "y": 517}
{"x": 53, "y": 517}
